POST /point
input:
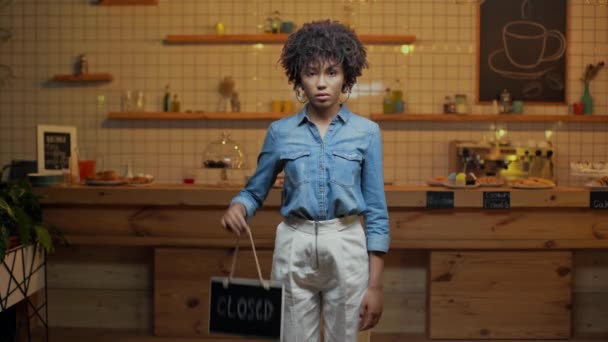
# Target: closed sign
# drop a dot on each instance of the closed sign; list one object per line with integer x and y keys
{"x": 246, "y": 308}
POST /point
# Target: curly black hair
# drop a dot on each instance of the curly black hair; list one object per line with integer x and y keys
{"x": 320, "y": 41}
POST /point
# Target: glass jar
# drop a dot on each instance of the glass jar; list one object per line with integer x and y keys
{"x": 461, "y": 103}
{"x": 224, "y": 153}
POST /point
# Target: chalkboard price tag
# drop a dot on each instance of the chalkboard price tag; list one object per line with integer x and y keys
{"x": 245, "y": 308}
{"x": 440, "y": 200}
{"x": 496, "y": 200}
{"x": 598, "y": 200}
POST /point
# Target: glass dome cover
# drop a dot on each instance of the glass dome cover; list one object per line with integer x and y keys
{"x": 224, "y": 153}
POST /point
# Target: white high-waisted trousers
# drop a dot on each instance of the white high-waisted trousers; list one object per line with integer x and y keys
{"x": 324, "y": 266}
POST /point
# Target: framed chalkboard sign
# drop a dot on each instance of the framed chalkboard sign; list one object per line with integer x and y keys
{"x": 522, "y": 48}
{"x": 244, "y": 307}
{"x": 56, "y": 146}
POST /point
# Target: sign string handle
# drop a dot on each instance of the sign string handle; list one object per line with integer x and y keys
{"x": 264, "y": 283}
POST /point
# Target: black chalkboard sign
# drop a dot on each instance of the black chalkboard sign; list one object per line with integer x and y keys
{"x": 598, "y": 200}
{"x": 522, "y": 48}
{"x": 440, "y": 200}
{"x": 57, "y": 150}
{"x": 496, "y": 200}
{"x": 245, "y": 308}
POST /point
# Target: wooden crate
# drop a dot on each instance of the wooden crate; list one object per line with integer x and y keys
{"x": 500, "y": 295}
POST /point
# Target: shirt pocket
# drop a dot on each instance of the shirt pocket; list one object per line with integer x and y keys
{"x": 296, "y": 166}
{"x": 346, "y": 167}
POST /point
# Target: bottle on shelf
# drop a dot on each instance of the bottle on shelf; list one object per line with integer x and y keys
{"x": 505, "y": 102}
{"x": 175, "y": 104}
{"x": 397, "y": 97}
{"x": 83, "y": 65}
{"x": 167, "y": 99}
{"x": 235, "y": 102}
{"x": 388, "y": 104}
{"x": 449, "y": 106}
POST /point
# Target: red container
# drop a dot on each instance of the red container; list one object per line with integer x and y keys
{"x": 86, "y": 169}
{"x": 578, "y": 108}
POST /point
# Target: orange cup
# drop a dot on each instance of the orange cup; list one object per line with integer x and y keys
{"x": 277, "y": 106}
{"x": 288, "y": 107}
{"x": 86, "y": 169}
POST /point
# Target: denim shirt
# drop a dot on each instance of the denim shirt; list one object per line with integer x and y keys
{"x": 328, "y": 177}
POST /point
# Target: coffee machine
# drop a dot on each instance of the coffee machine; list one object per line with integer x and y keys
{"x": 500, "y": 159}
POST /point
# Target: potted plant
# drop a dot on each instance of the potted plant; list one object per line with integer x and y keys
{"x": 21, "y": 217}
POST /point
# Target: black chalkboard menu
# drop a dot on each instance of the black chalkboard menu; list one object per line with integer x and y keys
{"x": 57, "y": 150}
{"x": 522, "y": 48}
{"x": 440, "y": 200}
{"x": 598, "y": 200}
{"x": 245, "y": 308}
{"x": 496, "y": 200}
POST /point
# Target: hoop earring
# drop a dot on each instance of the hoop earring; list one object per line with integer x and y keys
{"x": 298, "y": 96}
{"x": 347, "y": 97}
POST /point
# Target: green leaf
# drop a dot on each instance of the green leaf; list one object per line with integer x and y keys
{"x": 24, "y": 226}
{"x": 43, "y": 236}
{"x": 7, "y": 208}
{"x": 3, "y": 241}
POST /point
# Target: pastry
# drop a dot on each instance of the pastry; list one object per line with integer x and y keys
{"x": 490, "y": 180}
{"x": 108, "y": 175}
{"x": 460, "y": 179}
{"x": 534, "y": 181}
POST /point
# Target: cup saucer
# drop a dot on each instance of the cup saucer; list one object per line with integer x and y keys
{"x": 499, "y": 63}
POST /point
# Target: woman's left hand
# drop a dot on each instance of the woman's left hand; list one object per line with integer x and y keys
{"x": 371, "y": 308}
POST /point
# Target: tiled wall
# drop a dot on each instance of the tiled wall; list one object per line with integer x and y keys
{"x": 127, "y": 42}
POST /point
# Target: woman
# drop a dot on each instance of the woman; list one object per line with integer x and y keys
{"x": 332, "y": 159}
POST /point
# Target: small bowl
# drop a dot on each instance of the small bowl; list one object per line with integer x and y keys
{"x": 41, "y": 180}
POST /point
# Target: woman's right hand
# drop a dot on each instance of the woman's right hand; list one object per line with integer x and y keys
{"x": 234, "y": 219}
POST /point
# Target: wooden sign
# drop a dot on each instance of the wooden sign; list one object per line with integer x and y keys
{"x": 245, "y": 308}
{"x": 598, "y": 200}
{"x": 440, "y": 200}
{"x": 522, "y": 48}
{"x": 496, "y": 200}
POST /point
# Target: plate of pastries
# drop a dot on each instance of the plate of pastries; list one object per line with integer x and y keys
{"x": 111, "y": 177}
{"x": 106, "y": 177}
{"x": 141, "y": 180}
{"x": 533, "y": 183}
{"x": 599, "y": 184}
{"x": 436, "y": 181}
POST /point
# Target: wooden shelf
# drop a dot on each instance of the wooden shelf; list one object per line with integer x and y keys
{"x": 127, "y": 2}
{"x": 194, "y": 116}
{"x": 489, "y": 118}
{"x": 268, "y": 38}
{"x": 83, "y": 78}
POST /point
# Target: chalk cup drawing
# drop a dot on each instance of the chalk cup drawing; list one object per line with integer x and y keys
{"x": 534, "y": 36}
{"x": 531, "y": 61}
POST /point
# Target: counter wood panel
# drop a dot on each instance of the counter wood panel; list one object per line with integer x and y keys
{"x": 396, "y": 196}
{"x": 499, "y": 295}
{"x": 410, "y": 229}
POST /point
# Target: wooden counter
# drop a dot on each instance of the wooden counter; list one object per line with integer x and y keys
{"x": 397, "y": 196}
{"x": 138, "y": 216}
{"x": 141, "y": 256}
